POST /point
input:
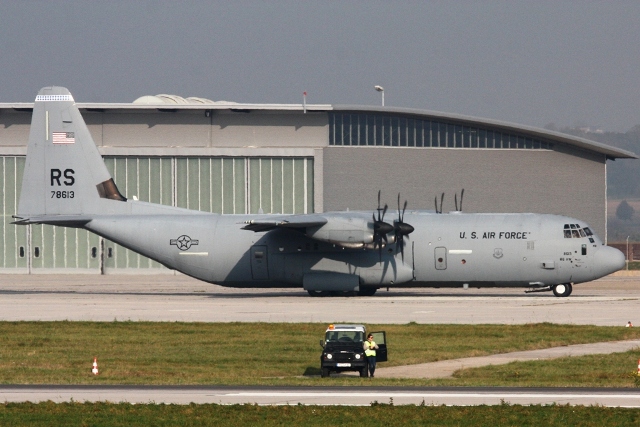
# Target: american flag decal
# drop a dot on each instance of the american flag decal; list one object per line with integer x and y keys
{"x": 63, "y": 138}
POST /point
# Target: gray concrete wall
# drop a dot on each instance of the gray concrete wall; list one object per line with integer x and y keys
{"x": 540, "y": 181}
{"x": 14, "y": 128}
{"x": 263, "y": 129}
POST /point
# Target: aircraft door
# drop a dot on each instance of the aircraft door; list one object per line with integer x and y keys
{"x": 259, "y": 263}
{"x": 441, "y": 258}
{"x": 380, "y": 338}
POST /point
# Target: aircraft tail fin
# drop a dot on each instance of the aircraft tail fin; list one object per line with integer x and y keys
{"x": 64, "y": 172}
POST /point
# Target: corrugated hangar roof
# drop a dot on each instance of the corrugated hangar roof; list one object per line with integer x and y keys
{"x": 164, "y": 102}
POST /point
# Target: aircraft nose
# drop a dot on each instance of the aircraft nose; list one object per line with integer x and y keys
{"x": 608, "y": 260}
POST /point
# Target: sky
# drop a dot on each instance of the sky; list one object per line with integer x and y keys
{"x": 567, "y": 63}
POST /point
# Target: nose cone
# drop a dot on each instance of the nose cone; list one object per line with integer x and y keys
{"x": 607, "y": 260}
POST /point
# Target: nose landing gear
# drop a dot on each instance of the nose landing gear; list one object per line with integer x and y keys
{"x": 562, "y": 289}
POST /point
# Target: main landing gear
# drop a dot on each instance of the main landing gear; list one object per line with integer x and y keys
{"x": 562, "y": 289}
{"x": 363, "y": 292}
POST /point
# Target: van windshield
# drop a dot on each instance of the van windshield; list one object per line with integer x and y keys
{"x": 344, "y": 336}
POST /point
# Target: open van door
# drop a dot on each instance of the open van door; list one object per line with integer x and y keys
{"x": 380, "y": 338}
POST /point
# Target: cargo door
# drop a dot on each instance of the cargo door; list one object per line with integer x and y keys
{"x": 441, "y": 258}
{"x": 259, "y": 263}
{"x": 380, "y": 338}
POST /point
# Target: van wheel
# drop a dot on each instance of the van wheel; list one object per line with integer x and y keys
{"x": 364, "y": 372}
{"x": 325, "y": 373}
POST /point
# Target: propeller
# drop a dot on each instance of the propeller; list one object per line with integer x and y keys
{"x": 456, "y": 200}
{"x": 380, "y": 228}
{"x": 401, "y": 228}
{"x": 435, "y": 201}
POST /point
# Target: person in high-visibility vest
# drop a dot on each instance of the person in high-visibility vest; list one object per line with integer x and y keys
{"x": 370, "y": 348}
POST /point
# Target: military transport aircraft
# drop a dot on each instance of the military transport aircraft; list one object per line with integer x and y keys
{"x": 66, "y": 183}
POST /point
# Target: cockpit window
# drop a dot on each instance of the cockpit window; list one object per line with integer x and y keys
{"x": 574, "y": 231}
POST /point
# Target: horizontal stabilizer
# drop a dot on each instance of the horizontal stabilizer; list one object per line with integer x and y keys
{"x": 59, "y": 220}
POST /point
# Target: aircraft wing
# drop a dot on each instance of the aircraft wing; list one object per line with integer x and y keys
{"x": 285, "y": 221}
{"x": 347, "y": 229}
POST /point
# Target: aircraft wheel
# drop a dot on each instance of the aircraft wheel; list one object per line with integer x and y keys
{"x": 318, "y": 293}
{"x": 562, "y": 289}
{"x": 325, "y": 373}
{"x": 367, "y": 292}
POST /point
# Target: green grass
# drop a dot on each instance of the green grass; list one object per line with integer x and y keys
{"x": 115, "y": 415}
{"x": 634, "y": 265}
{"x": 283, "y": 353}
{"x": 607, "y": 370}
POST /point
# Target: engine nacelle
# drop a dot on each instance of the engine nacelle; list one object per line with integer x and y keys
{"x": 344, "y": 231}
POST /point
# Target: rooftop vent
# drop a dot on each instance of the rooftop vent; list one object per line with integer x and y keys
{"x": 163, "y": 99}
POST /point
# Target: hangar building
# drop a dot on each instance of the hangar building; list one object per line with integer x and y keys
{"x": 231, "y": 158}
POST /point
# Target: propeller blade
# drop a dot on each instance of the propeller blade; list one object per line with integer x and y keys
{"x": 455, "y": 200}
{"x": 401, "y": 228}
{"x": 441, "y": 201}
{"x": 461, "y": 196}
{"x": 380, "y": 228}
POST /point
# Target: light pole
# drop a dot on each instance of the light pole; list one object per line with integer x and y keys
{"x": 381, "y": 90}
{"x": 628, "y": 252}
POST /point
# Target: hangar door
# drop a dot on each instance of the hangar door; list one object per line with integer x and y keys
{"x": 229, "y": 185}
{"x": 39, "y": 247}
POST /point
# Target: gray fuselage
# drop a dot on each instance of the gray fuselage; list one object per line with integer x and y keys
{"x": 452, "y": 249}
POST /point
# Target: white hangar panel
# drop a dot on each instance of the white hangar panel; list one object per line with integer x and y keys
{"x": 156, "y": 129}
{"x": 263, "y": 129}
